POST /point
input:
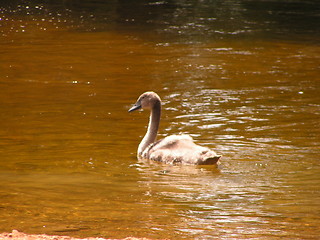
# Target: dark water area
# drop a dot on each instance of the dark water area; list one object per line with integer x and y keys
{"x": 241, "y": 77}
{"x": 178, "y": 21}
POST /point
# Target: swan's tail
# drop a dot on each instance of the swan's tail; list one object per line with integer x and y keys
{"x": 211, "y": 160}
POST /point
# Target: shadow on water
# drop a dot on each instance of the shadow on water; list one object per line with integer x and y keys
{"x": 182, "y": 21}
{"x": 240, "y": 77}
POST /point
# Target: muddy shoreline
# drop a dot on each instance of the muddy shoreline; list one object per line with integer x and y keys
{"x": 16, "y": 235}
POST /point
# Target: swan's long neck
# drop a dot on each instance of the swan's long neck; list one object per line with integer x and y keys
{"x": 153, "y": 127}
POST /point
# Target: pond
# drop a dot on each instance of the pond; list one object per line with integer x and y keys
{"x": 241, "y": 77}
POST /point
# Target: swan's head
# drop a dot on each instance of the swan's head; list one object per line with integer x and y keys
{"x": 147, "y": 100}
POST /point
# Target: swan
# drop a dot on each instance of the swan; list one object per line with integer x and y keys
{"x": 174, "y": 149}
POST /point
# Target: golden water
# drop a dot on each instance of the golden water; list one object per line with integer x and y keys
{"x": 68, "y": 146}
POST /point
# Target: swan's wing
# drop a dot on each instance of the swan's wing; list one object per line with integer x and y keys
{"x": 177, "y": 149}
{"x": 173, "y": 142}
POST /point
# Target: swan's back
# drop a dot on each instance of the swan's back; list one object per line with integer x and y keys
{"x": 177, "y": 149}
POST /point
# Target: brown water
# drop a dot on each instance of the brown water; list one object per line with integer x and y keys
{"x": 234, "y": 75}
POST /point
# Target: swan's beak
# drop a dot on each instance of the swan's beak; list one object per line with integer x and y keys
{"x": 136, "y": 106}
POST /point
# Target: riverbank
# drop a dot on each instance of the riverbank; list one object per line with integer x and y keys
{"x": 16, "y": 235}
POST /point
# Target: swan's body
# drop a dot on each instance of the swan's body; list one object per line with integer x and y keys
{"x": 174, "y": 149}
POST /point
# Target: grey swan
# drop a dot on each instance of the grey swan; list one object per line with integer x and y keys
{"x": 174, "y": 149}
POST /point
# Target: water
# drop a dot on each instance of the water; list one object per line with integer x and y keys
{"x": 241, "y": 77}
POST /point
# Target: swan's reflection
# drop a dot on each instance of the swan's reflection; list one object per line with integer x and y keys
{"x": 200, "y": 197}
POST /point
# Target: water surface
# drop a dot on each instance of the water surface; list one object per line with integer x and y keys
{"x": 241, "y": 77}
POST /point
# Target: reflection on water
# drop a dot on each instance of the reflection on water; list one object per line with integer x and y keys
{"x": 183, "y": 21}
{"x": 241, "y": 77}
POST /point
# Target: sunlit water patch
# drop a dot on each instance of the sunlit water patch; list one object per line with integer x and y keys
{"x": 68, "y": 162}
